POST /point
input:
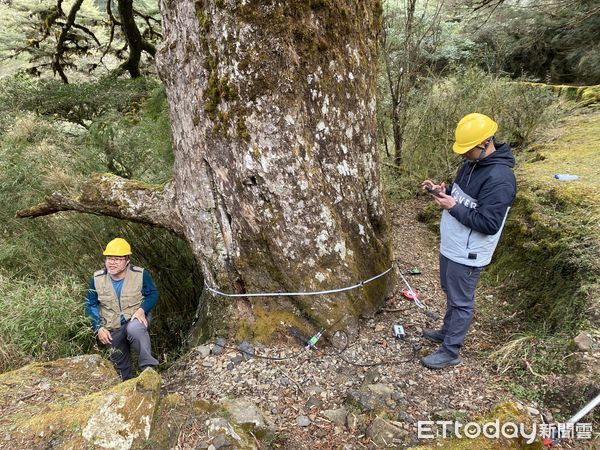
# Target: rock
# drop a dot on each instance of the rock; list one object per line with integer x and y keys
{"x": 372, "y": 376}
{"x": 313, "y": 402}
{"x": 337, "y": 416}
{"x": 217, "y": 349}
{"x": 207, "y": 364}
{"x": 218, "y": 426}
{"x": 532, "y": 411}
{"x": 397, "y": 396}
{"x": 303, "y": 421}
{"x": 383, "y": 391}
{"x": 203, "y": 350}
{"x": 382, "y": 432}
{"x": 313, "y": 390}
{"x": 401, "y": 416}
{"x": 584, "y": 342}
{"x": 125, "y": 416}
{"x": 230, "y": 365}
{"x": 246, "y": 349}
{"x": 220, "y": 441}
{"x": 202, "y": 445}
{"x": 83, "y": 404}
{"x": 322, "y": 433}
{"x": 244, "y": 412}
{"x": 236, "y": 360}
{"x": 371, "y": 397}
{"x": 352, "y": 421}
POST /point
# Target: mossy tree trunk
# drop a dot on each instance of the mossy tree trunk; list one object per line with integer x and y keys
{"x": 276, "y": 180}
{"x": 274, "y": 125}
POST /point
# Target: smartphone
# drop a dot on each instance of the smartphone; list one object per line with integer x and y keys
{"x": 433, "y": 191}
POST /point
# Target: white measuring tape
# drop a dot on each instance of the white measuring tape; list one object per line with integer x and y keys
{"x": 295, "y": 294}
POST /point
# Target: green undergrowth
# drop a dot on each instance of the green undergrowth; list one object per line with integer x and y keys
{"x": 434, "y": 108}
{"x": 41, "y": 321}
{"x": 52, "y": 138}
{"x": 549, "y": 256}
{"x": 546, "y": 269}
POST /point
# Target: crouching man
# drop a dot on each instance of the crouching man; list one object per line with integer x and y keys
{"x": 119, "y": 301}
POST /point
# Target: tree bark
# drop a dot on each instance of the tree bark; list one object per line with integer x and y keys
{"x": 276, "y": 167}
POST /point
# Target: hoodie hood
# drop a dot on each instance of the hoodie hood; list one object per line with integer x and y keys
{"x": 502, "y": 155}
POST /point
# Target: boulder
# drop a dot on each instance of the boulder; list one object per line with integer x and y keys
{"x": 82, "y": 404}
{"x": 245, "y": 412}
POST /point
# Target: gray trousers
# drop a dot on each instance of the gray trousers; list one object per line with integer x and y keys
{"x": 459, "y": 283}
{"x": 132, "y": 335}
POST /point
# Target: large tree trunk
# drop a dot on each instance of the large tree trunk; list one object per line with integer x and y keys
{"x": 276, "y": 166}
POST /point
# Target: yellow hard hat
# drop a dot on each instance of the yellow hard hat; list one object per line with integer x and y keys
{"x": 117, "y": 247}
{"x": 472, "y": 130}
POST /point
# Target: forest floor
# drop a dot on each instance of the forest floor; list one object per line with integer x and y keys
{"x": 303, "y": 388}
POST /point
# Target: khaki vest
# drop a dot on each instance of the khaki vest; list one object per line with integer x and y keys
{"x": 131, "y": 296}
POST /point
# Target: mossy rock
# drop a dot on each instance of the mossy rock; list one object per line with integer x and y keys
{"x": 586, "y": 95}
{"x": 77, "y": 403}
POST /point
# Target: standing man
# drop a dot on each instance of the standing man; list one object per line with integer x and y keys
{"x": 119, "y": 302}
{"x": 474, "y": 207}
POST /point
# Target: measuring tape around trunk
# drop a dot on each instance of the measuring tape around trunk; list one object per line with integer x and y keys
{"x": 296, "y": 294}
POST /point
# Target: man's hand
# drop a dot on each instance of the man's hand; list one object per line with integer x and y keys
{"x": 438, "y": 191}
{"x": 444, "y": 200}
{"x": 104, "y": 336}
{"x": 432, "y": 188}
{"x": 141, "y": 316}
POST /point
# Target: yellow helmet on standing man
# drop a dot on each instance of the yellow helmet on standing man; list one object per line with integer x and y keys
{"x": 472, "y": 130}
{"x": 117, "y": 247}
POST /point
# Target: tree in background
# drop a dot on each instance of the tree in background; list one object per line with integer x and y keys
{"x": 554, "y": 41}
{"x": 410, "y": 34}
{"x": 75, "y": 36}
{"x": 276, "y": 180}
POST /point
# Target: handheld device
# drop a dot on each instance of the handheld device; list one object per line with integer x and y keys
{"x": 434, "y": 192}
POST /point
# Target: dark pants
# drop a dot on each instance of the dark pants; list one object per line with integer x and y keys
{"x": 459, "y": 283}
{"x": 132, "y": 335}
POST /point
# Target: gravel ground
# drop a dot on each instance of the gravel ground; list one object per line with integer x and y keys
{"x": 314, "y": 381}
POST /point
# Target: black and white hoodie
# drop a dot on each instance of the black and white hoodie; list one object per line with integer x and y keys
{"x": 484, "y": 192}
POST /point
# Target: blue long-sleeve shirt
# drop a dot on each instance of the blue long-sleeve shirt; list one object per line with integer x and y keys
{"x": 92, "y": 306}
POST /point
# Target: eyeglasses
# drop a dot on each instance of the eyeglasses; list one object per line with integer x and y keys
{"x": 115, "y": 258}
